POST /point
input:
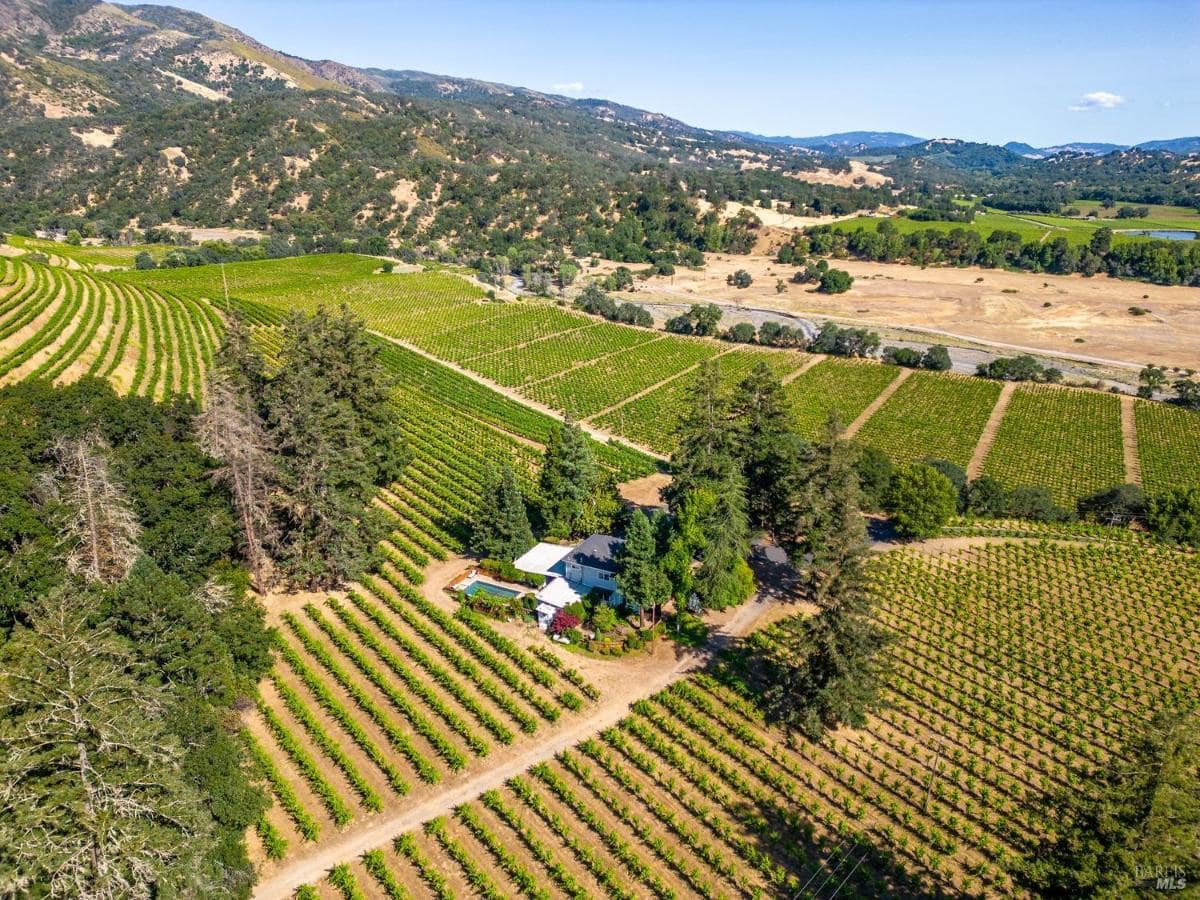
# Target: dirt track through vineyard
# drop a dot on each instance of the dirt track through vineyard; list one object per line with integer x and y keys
{"x": 1129, "y": 442}
{"x": 654, "y": 387}
{"x": 598, "y": 433}
{"x": 610, "y": 711}
{"x": 975, "y": 466}
{"x": 874, "y": 405}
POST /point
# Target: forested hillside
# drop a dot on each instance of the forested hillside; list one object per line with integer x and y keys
{"x": 1012, "y": 181}
{"x": 129, "y": 117}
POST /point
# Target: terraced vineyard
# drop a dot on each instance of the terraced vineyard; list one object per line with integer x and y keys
{"x": 550, "y": 356}
{"x": 1168, "y": 446}
{"x": 435, "y": 310}
{"x": 87, "y": 257}
{"x": 932, "y": 416}
{"x": 443, "y": 389}
{"x": 1018, "y": 669}
{"x": 1068, "y": 440}
{"x": 517, "y": 326}
{"x": 64, "y": 324}
{"x": 650, "y": 420}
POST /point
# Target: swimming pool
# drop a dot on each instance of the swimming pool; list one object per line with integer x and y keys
{"x": 478, "y": 585}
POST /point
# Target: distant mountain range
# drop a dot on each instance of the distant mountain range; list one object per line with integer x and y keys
{"x": 1171, "y": 145}
{"x": 842, "y": 142}
{"x": 128, "y": 116}
{"x": 858, "y": 142}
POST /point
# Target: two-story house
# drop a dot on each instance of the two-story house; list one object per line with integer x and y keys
{"x": 572, "y": 573}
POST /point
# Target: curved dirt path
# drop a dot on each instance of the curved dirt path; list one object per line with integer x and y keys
{"x": 608, "y": 712}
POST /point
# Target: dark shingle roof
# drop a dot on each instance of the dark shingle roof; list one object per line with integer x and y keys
{"x": 600, "y": 551}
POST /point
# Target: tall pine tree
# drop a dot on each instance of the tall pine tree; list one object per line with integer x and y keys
{"x": 817, "y": 672}
{"x": 331, "y": 420}
{"x": 724, "y": 578}
{"x": 705, "y": 445}
{"x": 94, "y": 802}
{"x": 642, "y": 582}
{"x": 568, "y": 476}
{"x": 765, "y": 442}
{"x": 501, "y": 526}
{"x": 708, "y": 483}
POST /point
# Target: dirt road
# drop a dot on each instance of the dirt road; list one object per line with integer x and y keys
{"x": 1084, "y": 319}
{"x": 283, "y": 884}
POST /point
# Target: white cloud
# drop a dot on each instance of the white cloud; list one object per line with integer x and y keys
{"x": 569, "y": 87}
{"x": 1097, "y": 100}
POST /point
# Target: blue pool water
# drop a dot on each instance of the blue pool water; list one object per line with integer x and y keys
{"x": 486, "y": 587}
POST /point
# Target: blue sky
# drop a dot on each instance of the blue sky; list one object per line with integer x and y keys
{"x": 1043, "y": 72}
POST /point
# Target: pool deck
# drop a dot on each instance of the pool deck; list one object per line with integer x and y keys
{"x": 474, "y": 575}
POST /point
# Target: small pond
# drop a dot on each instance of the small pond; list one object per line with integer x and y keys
{"x": 1162, "y": 235}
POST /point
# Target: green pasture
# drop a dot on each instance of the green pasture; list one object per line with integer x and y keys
{"x": 1039, "y": 226}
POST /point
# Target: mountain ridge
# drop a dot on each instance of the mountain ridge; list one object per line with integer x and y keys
{"x": 120, "y": 117}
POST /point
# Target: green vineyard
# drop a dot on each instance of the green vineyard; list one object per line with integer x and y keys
{"x": 517, "y": 366}
{"x": 1169, "y": 446}
{"x": 650, "y": 419}
{"x": 846, "y": 387}
{"x": 932, "y": 416}
{"x": 1066, "y": 440}
{"x": 629, "y": 381}
{"x": 589, "y": 389}
{"x": 1018, "y": 669}
{"x": 384, "y": 695}
{"x": 64, "y": 324}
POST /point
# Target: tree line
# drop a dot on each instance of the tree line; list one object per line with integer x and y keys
{"x": 304, "y": 447}
{"x": 1159, "y": 262}
{"x": 127, "y": 641}
{"x": 131, "y": 531}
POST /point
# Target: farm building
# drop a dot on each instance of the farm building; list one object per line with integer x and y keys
{"x": 572, "y": 573}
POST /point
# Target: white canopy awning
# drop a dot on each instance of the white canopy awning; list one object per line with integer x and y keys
{"x": 558, "y": 593}
{"x": 542, "y": 558}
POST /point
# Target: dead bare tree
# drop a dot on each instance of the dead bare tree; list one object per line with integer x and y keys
{"x": 102, "y": 531}
{"x": 231, "y": 431}
{"x": 93, "y": 801}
